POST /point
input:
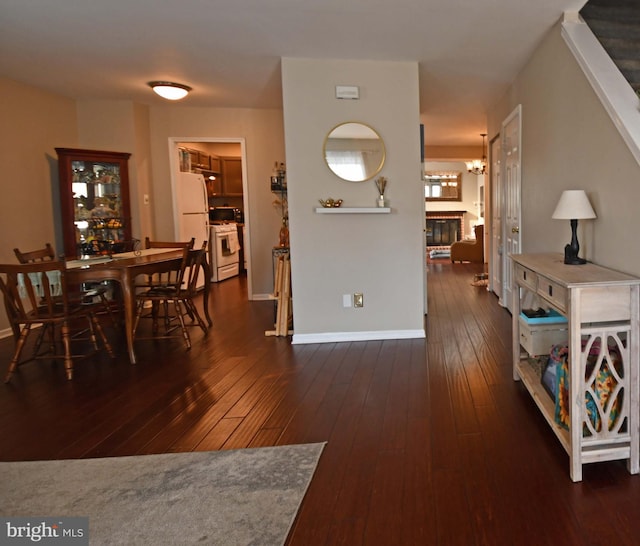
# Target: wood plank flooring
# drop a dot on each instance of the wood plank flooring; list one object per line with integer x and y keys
{"x": 429, "y": 442}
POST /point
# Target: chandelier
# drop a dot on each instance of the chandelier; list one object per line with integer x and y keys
{"x": 478, "y": 166}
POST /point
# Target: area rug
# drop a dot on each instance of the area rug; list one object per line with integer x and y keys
{"x": 236, "y": 497}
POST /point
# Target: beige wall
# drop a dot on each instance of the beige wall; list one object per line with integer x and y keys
{"x": 569, "y": 142}
{"x": 262, "y": 131}
{"x": 34, "y": 122}
{"x": 380, "y": 255}
{"x": 122, "y": 126}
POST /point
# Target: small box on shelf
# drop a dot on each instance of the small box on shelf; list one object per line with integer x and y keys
{"x": 541, "y": 316}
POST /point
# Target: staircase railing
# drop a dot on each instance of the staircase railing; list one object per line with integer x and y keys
{"x": 616, "y": 94}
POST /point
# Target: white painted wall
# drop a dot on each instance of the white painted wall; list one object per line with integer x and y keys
{"x": 380, "y": 255}
{"x": 570, "y": 142}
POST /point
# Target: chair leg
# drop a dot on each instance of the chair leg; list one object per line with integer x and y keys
{"x": 139, "y": 310}
{"x": 24, "y": 333}
{"x": 66, "y": 341}
{"x": 193, "y": 313}
{"x": 103, "y": 338}
{"x": 107, "y": 304}
{"x": 92, "y": 332}
{"x": 185, "y": 333}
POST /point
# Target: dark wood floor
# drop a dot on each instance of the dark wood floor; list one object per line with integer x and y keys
{"x": 428, "y": 442}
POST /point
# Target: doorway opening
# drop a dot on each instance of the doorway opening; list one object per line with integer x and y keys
{"x": 222, "y": 162}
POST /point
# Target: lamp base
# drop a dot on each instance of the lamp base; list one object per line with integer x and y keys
{"x": 571, "y": 256}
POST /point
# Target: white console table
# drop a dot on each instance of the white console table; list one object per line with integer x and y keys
{"x": 600, "y": 304}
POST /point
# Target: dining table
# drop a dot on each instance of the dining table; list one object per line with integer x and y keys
{"x": 124, "y": 268}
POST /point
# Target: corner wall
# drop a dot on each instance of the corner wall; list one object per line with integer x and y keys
{"x": 34, "y": 123}
{"x": 380, "y": 255}
{"x": 570, "y": 142}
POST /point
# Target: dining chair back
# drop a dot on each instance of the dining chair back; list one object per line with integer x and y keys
{"x": 36, "y": 294}
{"x": 86, "y": 293}
{"x": 178, "y": 294}
{"x": 168, "y": 278}
{"x": 189, "y": 288}
{"x": 148, "y": 243}
{"x": 45, "y": 254}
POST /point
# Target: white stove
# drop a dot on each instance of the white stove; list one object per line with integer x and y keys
{"x": 224, "y": 251}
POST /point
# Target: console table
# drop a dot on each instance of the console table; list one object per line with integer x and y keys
{"x": 602, "y": 308}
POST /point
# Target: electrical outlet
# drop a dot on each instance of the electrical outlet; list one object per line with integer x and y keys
{"x": 358, "y": 300}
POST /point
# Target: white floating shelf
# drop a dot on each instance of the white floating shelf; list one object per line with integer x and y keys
{"x": 353, "y": 210}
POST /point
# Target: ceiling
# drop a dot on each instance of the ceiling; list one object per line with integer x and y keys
{"x": 229, "y": 51}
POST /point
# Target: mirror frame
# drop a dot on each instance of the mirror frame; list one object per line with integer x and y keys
{"x": 458, "y": 178}
{"x": 369, "y": 174}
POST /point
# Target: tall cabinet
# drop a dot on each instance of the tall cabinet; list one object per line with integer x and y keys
{"x": 94, "y": 201}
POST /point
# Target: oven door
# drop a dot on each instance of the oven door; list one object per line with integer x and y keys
{"x": 225, "y": 253}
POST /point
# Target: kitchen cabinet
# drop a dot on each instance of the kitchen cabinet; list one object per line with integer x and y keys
{"x": 204, "y": 162}
{"x": 215, "y": 164}
{"x": 94, "y": 201}
{"x": 231, "y": 176}
{"x": 214, "y": 185}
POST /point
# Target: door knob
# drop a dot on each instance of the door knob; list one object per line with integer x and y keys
{"x": 515, "y": 229}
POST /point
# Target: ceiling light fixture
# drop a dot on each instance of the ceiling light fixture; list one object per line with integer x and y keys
{"x": 478, "y": 166}
{"x": 170, "y": 90}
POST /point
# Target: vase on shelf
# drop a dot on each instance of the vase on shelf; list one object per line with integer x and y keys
{"x": 284, "y": 234}
{"x": 381, "y": 202}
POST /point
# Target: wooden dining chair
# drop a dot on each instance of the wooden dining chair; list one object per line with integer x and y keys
{"x": 167, "y": 278}
{"x": 85, "y": 293}
{"x": 36, "y": 294}
{"x": 179, "y": 295}
{"x": 148, "y": 243}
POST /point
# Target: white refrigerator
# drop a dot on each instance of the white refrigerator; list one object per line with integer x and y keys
{"x": 192, "y": 211}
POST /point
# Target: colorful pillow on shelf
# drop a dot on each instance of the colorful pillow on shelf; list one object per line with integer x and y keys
{"x": 603, "y": 386}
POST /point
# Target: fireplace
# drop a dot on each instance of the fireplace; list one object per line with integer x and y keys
{"x": 444, "y": 228}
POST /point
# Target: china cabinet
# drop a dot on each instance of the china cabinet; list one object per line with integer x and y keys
{"x": 94, "y": 201}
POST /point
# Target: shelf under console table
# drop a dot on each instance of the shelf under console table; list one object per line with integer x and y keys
{"x": 602, "y": 308}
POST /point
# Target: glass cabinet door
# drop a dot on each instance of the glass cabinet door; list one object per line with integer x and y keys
{"x": 94, "y": 199}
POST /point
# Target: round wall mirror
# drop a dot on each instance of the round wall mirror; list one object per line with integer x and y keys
{"x": 354, "y": 152}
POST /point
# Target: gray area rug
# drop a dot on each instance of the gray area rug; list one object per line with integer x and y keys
{"x": 236, "y": 497}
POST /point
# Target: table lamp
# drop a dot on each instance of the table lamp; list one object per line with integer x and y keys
{"x": 574, "y": 205}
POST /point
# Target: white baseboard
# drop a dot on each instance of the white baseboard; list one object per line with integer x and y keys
{"x": 337, "y": 337}
{"x": 261, "y": 297}
{"x": 6, "y": 333}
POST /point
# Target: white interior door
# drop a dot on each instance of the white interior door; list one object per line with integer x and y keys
{"x": 496, "y": 210}
{"x": 511, "y": 180}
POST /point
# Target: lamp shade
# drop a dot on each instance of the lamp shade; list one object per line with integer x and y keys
{"x": 573, "y": 205}
{"x": 170, "y": 90}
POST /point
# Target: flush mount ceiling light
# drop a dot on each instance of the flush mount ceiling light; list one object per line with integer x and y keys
{"x": 170, "y": 90}
{"x": 478, "y": 166}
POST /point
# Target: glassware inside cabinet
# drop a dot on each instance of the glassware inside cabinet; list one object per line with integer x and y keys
{"x": 95, "y": 197}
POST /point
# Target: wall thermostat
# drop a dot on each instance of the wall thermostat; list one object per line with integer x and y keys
{"x": 351, "y": 92}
